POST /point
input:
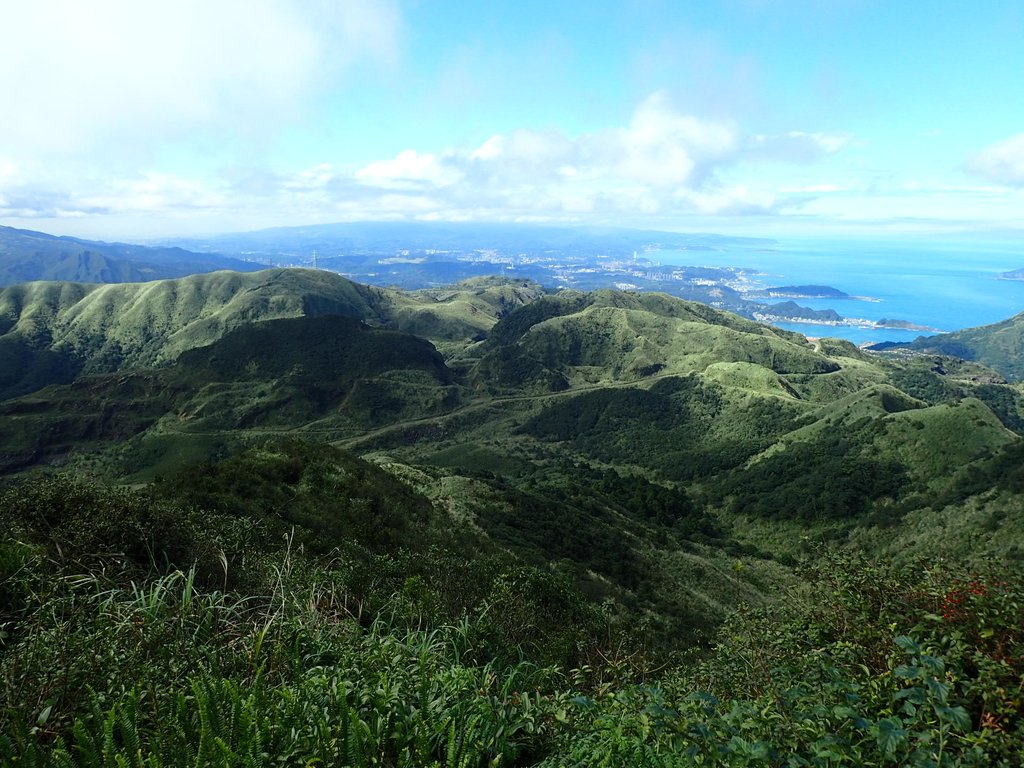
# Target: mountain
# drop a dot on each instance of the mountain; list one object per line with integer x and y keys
{"x": 494, "y": 374}
{"x": 509, "y": 405}
{"x": 52, "y": 332}
{"x": 26, "y": 255}
{"x": 489, "y": 524}
{"x": 573, "y": 338}
{"x": 999, "y": 346}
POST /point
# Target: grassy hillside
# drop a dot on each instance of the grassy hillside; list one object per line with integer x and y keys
{"x": 571, "y": 528}
{"x": 999, "y": 346}
{"x": 573, "y": 338}
{"x": 326, "y": 614}
{"x": 52, "y": 332}
{"x": 271, "y": 375}
{"x": 749, "y": 420}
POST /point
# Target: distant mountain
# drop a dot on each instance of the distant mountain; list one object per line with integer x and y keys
{"x": 387, "y": 237}
{"x": 26, "y": 256}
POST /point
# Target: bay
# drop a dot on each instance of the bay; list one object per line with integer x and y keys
{"x": 945, "y": 283}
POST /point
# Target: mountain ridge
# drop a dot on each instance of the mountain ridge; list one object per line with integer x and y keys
{"x": 681, "y": 392}
{"x": 1000, "y": 346}
{"x": 27, "y": 255}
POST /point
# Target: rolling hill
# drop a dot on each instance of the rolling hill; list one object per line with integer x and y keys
{"x": 52, "y": 332}
{"x": 580, "y": 508}
{"x": 749, "y": 419}
{"x": 499, "y": 386}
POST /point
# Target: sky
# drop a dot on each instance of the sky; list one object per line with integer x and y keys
{"x": 144, "y": 119}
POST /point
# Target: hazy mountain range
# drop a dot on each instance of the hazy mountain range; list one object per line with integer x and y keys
{"x": 26, "y": 255}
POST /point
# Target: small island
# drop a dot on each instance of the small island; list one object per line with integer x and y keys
{"x": 904, "y": 325}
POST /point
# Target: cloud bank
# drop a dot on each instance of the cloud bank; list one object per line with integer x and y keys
{"x": 1000, "y": 163}
{"x": 661, "y": 161}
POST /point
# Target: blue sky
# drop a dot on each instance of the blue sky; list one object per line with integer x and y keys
{"x": 148, "y": 119}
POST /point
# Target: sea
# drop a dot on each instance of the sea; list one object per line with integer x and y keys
{"x": 945, "y": 283}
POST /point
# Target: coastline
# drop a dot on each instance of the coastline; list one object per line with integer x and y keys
{"x": 847, "y": 322}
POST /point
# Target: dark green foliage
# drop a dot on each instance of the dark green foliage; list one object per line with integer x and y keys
{"x": 326, "y": 352}
{"x": 85, "y": 523}
{"x": 319, "y": 364}
{"x": 1001, "y": 471}
{"x": 17, "y": 572}
{"x": 26, "y": 367}
{"x": 512, "y": 327}
{"x": 866, "y": 664}
{"x": 387, "y": 539}
{"x": 549, "y": 527}
{"x": 279, "y": 372}
{"x": 591, "y": 416}
{"x": 860, "y": 663}
{"x": 927, "y": 385}
{"x": 91, "y": 411}
{"x": 829, "y": 478}
{"x": 681, "y": 426}
{"x": 1005, "y": 403}
{"x": 327, "y": 496}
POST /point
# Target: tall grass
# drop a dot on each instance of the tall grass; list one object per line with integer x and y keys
{"x": 160, "y": 674}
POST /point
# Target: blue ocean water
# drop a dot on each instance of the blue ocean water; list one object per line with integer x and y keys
{"x": 938, "y": 282}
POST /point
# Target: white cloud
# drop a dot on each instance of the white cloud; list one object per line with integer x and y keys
{"x": 795, "y": 146}
{"x": 1002, "y": 162}
{"x": 117, "y": 77}
{"x": 410, "y": 169}
{"x": 660, "y": 162}
{"x": 662, "y": 147}
{"x": 156, "y": 193}
{"x": 735, "y": 200}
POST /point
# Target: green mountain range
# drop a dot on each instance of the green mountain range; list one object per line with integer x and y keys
{"x": 497, "y": 373}
{"x": 613, "y": 483}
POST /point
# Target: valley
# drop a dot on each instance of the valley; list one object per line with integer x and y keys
{"x": 628, "y": 474}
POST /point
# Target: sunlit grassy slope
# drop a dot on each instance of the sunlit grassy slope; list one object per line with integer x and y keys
{"x": 52, "y": 332}
{"x": 745, "y": 419}
{"x": 999, "y": 346}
